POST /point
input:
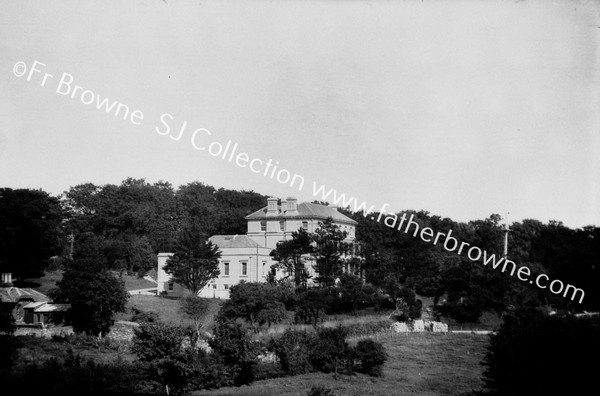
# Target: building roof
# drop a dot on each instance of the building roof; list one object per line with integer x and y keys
{"x": 15, "y": 294}
{"x": 50, "y": 307}
{"x": 33, "y": 305}
{"x": 233, "y": 241}
{"x": 305, "y": 210}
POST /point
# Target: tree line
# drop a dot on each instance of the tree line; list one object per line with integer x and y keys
{"x": 126, "y": 225}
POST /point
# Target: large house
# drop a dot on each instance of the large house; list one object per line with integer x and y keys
{"x": 247, "y": 257}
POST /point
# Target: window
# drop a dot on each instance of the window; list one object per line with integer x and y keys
{"x": 244, "y": 268}
{"x": 282, "y": 225}
{"x": 214, "y": 286}
{"x": 225, "y": 269}
{"x": 263, "y": 226}
{"x": 226, "y": 286}
{"x": 171, "y": 286}
{"x": 263, "y": 268}
{"x": 305, "y": 225}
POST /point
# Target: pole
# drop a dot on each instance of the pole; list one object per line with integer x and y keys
{"x": 506, "y": 231}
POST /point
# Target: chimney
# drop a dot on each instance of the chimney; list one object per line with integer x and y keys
{"x": 272, "y": 207}
{"x": 292, "y": 205}
{"x": 7, "y": 279}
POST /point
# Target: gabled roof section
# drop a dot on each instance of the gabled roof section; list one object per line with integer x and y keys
{"x": 233, "y": 241}
{"x": 15, "y": 294}
{"x": 305, "y": 210}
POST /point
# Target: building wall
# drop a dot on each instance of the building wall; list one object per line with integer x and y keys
{"x": 280, "y": 229}
{"x": 257, "y": 264}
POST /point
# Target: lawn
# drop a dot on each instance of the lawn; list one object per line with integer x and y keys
{"x": 168, "y": 310}
{"x": 48, "y": 282}
{"x": 419, "y": 363}
{"x": 133, "y": 282}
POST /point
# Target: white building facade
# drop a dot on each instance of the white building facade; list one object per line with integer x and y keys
{"x": 247, "y": 257}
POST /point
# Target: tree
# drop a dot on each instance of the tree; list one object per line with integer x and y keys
{"x": 256, "y": 303}
{"x": 235, "y": 349}
{"x": 328, "y": 248}
{"x": 95, "y": 296}
{"x": 312, "y": 305}
{"x": 30, "y": 233}
{"x": 196, "y": 309}
{"x": 290, "y": 254}
{"x": 195, "y": 260}
{"x": 161, "y": 346}
{"x": 351, "y": 290}
{"x": 533, "y": 353}
{"x": 7, "y": 319}
{"x": 156, "y": 340}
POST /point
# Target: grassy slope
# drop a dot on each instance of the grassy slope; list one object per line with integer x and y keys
{"x": 48, "y": 282}
{"x": 168, "y": 310}
{"x": 424, "y": 364}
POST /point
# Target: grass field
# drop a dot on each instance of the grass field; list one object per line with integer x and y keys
{"x": 48, "y": 282}
{"x": 168, "y": 310}
{"x": 419, "y": 363}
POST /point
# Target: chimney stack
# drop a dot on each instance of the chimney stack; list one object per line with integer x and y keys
{"x": 7, "y": 279}
{"x": 292, "y": 205}
{"x": 272, "y": 207}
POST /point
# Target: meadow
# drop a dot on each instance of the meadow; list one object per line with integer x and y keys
{"x": 419, "y": 363}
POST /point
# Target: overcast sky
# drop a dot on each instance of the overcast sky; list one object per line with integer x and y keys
{"x": 461, "y": 108}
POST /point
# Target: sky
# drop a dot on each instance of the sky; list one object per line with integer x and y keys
{"x": 462, "y": 108}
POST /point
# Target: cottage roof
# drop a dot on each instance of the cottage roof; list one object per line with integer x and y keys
{"x": 15, "y": 294}
{"x": 49, "y": 307}
{"x": 233, "y": 241}
{"x": 304, "y": 210}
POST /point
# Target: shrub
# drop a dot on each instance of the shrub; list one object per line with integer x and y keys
{"x": 313, "y": 304}
{"x": 7, "y": 320}
{"x": 233, "y": 347}
{"x": 140, "y": 316}
{"x": 330, "y": 351}
{"x": 372, "y": 356}
{"x": 320, "y": 391}
{"x": 155, "y": 341}
{"x": 76, "y": 375}
{"x": 293, "y": 351}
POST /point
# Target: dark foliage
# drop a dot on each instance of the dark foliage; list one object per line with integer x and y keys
{"x": 257, "y": 303}
{"x": 293, "y": 349}
{"x": 95, "y": 296}
{"x": 7, "y": 319}
{"x": 235, "y": 350}
{"x": 537, "y": 354}
{"x": 372, "y": 356}
{"x": 140, "y": 316}
{"x": 320, "y": 391}
{"x": 30, "y": 231}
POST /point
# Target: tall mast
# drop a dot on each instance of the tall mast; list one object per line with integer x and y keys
{"x": 506, "y": 231}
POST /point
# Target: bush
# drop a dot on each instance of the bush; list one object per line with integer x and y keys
{"x": 537, "y": 354}
{"x": 330, "y": 351}
{"x": 233, "y": 347}
{"x": 140, "y": 316}
{"x": 372, "y": 356}
{"x": 320, "y": 391}
{"x": 155, "y": 341}
{"x": 7, "y": 320}
{"x": 313, "y": 304}
{"x": 293, "y": 351}
{"x": 75, "y": 375}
